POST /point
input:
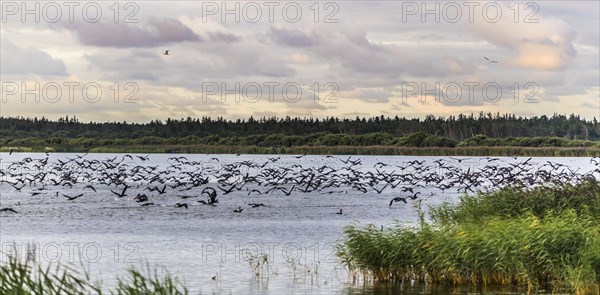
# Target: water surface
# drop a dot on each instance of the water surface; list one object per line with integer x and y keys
{"x": 211, "y": 246}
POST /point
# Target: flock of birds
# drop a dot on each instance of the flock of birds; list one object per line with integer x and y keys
{"x": 194, "y": 182}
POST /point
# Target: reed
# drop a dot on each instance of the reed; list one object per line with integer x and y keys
{"x": 260, "y": 265}
{"x": 473, "y": 151}
{"x": 153, "y": 281}
{"x": 27, "y": 277}
{"x": 508, "y": 202}
{"x": 554, "y": 246}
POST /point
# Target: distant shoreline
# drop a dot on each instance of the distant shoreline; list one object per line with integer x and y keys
{"x": 506, "y": 151}
{"x": 462, "y": 135}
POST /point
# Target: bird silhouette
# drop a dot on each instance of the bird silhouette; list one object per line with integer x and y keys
{"x": 122, "y": 193}
{"x": 397, "y": 199}
{"x": 90, "y": 187}
{"x": 490, "y": 61}
{"x": 13, "y": 150}
{"x": 72, "y": 198}
{"x": 140, "y": 198}
{"x": 8, "y": 210}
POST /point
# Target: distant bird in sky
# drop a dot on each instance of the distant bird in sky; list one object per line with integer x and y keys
{"x": 166, "y": 52}
{"x": 490, "y": 61}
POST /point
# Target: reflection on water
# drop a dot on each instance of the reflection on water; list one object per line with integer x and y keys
{"x": 392, "y": 289}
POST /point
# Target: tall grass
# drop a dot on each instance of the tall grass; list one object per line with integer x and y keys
{"x": 326, "y": 150}
{"x": 545, "y": 238}
{"x": 508, "y": 202}
{"x": 260, "y": 265}
{"x": 18, "y": 277}
{"x": 27, "y": 277}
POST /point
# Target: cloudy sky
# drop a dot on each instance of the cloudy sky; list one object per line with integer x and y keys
{"x": 105, "y": 61}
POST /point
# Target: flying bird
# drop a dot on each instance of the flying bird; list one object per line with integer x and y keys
{"x": 122, "y": 193}
{"x": 398, "y": 199}
{"x": 490, "y": 61}
{"x": 13, "y": 150}
{"x": 8, "y": 210}
{"x": 71, "y": 198}
{"x": 166, "y": 52}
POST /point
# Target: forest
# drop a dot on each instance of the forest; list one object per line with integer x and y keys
{"x": 462, "y": 131}
{"x": 457, "y": 128}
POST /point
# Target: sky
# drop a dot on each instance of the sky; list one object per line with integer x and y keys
{"x": 105, "y": 60}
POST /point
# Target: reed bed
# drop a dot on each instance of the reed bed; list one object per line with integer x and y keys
{"x": 26, "y": 277}
{"x": 514, "y": 201}
{"x": 546, "y": 238}
{"x": 472, "y": 151}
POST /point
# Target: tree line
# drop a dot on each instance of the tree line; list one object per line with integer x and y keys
{"x": 446, "y": 131}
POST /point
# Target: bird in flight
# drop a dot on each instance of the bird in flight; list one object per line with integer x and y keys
{"x": 489, "y": 60}
{"x": 398, "y": 199}
{"x": 71, "y": 198}
{"x": 166, "y": 52}
{"x": 13, "y": 150}
{"x": 8, "y": 210}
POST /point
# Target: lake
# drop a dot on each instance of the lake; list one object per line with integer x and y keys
{"x": 211, "y": 247}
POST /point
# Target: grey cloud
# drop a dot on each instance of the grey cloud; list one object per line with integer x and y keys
{"x": 294, "y": 38}
{"x": 134, "y": 65}
{"x": 590, "y": 105}
{"x": 156, "y": 32}
{"x": 185, "y": 67}
{"x": 29, "y": 61}
{"x": 224, "y": 37}
{"x": 357, "y": 55}
{"x": 371, "y": 95}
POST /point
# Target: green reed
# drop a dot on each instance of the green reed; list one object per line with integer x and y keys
{"x": 27, "y": 277}
{"x": 544, "y": 238}
{"x": 322, "y": 150}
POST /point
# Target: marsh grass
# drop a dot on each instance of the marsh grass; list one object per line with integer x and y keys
{"x": 260, "y": 265}
{"x": 153, "y": 281}
{"x": 18, "y": 276}
{"x": 544, "y": 238}
{"x": 304, "y": 271}
{"x": 323, "y": 150}
{"x": 509, "y": 202}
